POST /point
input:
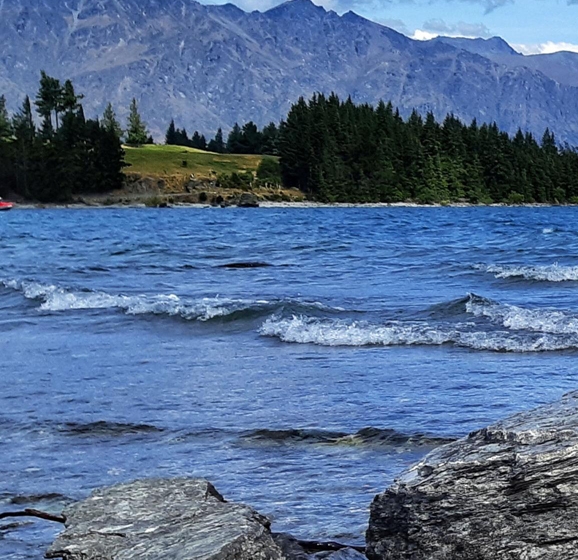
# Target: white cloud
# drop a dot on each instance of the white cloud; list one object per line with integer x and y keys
{"x": 327, "y": 4}
{"x": 421, "y": 35}
{"x": 435, "y": 28}
{"x": 545, "y": 48}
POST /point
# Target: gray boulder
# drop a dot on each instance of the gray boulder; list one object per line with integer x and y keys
{"x": 507, "y": 492}
{"x": 177, "y": 519}
{"x": 248, "y": 200}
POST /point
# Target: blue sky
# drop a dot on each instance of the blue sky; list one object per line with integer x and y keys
{"x": 531, "y": 26}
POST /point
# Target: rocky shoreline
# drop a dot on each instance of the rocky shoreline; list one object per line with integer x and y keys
{"x": 138, "y": 203}
{"x": 159, "y": 192}
{"x": 175, "y": 519}
{"x": 507, "y": 491}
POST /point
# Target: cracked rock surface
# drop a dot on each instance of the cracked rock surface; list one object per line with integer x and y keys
{"x": 507, "y": 492}
{"x": 176, "y": 519}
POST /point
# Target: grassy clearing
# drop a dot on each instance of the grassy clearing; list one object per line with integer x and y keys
{"x": 169, "y": 161}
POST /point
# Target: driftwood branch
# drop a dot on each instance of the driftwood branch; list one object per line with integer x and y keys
{"x": 319, "y": 546}
{"x": 34, "y": 513}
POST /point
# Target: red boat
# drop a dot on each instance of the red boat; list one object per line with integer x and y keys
{"x": 5, "y": 205}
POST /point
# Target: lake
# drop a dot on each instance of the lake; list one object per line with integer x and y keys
{"x": 253, "y": 347}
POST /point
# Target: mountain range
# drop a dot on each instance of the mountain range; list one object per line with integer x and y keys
{"x": 213, "y": 65}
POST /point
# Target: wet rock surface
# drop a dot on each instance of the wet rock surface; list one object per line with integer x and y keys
{"x": 248, "y": 200}
{"x": 177, "y": 519}
{"x": 508, "y": 491}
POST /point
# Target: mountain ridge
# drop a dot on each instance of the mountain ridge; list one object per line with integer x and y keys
{"x": 213, "y": 65}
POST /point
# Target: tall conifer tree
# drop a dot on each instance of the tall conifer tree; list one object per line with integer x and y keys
{"x": 136, "y": 130}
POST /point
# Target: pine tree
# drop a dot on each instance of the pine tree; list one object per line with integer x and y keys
{"x": 24, "y": 138}
{"x": 171, "y": 136}
{"x": 251, "y": 139}
{"x": 182, "y": 138}
{"x": 68, "y": 100}
{"x": 49, "y": 100}
{"x": 295, "y": 147}
{"x": 269, "y": 138}
{"x": 199, "y": 141}
{"x": 6, "y": 136}
{"x": 110, "y": 123}
{"x": 234, "y": 140}
{"x": 136, "y": 133}
{"x": 5, "y": 124}
{"x": 217, "y": 145}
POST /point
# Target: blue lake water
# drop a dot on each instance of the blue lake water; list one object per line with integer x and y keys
{"x": 139, "y": 343}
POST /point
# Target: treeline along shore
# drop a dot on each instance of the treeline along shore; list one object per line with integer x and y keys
{"x": 327, "y": 150}
{"x": 65, "y": 155}
{"x": 342, "y": 152}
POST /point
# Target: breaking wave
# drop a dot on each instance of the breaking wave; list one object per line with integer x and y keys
{"x": 520, "y": 318}
{"x": 56, "y": 299}
{"x": 551, "y": 273}
{"x": 473, "y": 322}
{"x": 330, "y": 332}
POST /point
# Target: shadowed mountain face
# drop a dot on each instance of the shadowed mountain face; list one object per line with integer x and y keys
{"x": 210, "y": 66}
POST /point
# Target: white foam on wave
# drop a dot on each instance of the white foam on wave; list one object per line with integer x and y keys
{"x": 334, "y": 332}
{"x": 58, "y": 299}
{"x": 326, "y": 332}
{"x": 509, "y": 342}
{"x": 519, "y": 318}
{"x": 546, "y": 273}
{"x": 54, "y": 298}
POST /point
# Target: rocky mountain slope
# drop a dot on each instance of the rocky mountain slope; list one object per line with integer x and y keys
{"x": 210, "y": 66}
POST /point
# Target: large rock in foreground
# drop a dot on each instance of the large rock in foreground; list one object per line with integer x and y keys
{"x": 177, "y": 519}
{"x": 507, "y": 492}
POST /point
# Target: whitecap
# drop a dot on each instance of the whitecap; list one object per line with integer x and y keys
{"x": 335, "y": 332}
{"x": 327, "y": 332}
{"x": 519, "y": 318}
{"x": 58, "y": 299}
{"x": 538, "y": 273}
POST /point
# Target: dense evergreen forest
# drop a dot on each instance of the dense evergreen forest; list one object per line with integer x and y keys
{"x": 335, "y": 150}
{"x": 332, "y": 150}
{"x": 67, "y": 154}
{"x": 247, "y": 139}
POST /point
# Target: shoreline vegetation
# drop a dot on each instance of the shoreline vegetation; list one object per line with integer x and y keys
{"x": 326, "y": 152}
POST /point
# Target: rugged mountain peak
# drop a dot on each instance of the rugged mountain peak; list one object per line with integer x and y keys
{"x": 297, "y": 8}
{"x": 484, "y": 47}
{"x": 210, "y": 66}
{"x": 352, "y": 16}
{"x": 498, "y": 44}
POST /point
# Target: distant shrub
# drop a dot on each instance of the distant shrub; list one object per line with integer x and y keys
{"x": 241, "y": 181}
{"x": 153, "y": 202}
{"x": 516, "y": 198}
{"x": 269, "y": 171}
{"x": 559, "y": 194}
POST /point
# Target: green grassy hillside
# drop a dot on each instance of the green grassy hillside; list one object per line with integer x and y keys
{"x": 170, "y": 161}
